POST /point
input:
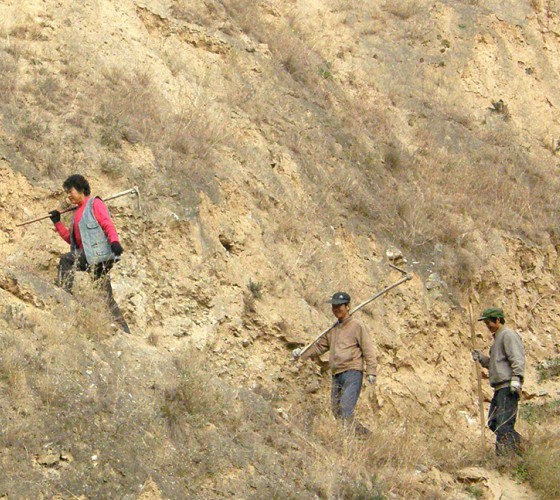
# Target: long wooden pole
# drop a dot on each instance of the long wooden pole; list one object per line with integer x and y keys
{"x": 478, "y": 381}
{"x": 70, "y": 209}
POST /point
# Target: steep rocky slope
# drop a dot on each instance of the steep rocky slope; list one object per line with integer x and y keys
{"x": 281, "y": 150}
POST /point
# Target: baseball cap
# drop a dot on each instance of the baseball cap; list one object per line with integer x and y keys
{"x": 339, "y": 298}
{"x": 492, "y": 312}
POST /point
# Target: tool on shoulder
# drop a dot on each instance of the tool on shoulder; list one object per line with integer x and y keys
{"x": 407, "y": 277}
{"x": 478, "y": 379}
{"x": 133, "y": 190}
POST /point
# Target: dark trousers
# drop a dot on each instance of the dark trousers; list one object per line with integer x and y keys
{"x": 501, "y": 420}
{"x": 72, "y": 262}
{"x": 346, "y": 387}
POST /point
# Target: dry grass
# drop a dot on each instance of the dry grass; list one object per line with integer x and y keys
{"x": 541, "y": 464}
{"x": 384, "y": 462}
{"x": 128, "y": 104}
{"x": 89, "y": 315}
{"x": 343, "y": 142}
{"x": 13, "y": 367}
{"x": 194, "y": 399}
{"x": 289, "y": 48}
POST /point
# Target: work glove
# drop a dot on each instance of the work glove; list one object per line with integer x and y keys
{"x": 515, "y": 385}
{"x": 54, "y": 215}
{"x": 296, "y": 353}
{"x": 116, "y": 248}
{"x": 371, "y": 379}
{"x": 476, "y": 355}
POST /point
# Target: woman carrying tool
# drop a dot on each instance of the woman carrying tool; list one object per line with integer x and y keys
{"x": 93, "y": 239}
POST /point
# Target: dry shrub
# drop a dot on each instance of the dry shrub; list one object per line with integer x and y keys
{"x": 194, "y": 398}
{"x": 348, "y": 465}
{"x": 381, "y": 461}
{"x": 299, "y": 61}
{"x": 459, "y": 267}
{"x": 13, "y": 377}
{"x": 89, "y": 315}
{"x": 198, "y": 129}
{"x": 288, "y": 46}
{"x": 8, "y": 71}
{"x": 128, "y": 106}
{"x": 542, "y": 464}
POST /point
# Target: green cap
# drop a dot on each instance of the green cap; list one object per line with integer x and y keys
{"x": 492, "y": 312}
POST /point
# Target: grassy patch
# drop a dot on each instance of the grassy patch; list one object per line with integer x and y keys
{"x": 474, "y": 491}
{"x": 255, "y": 288}
{"x": 550, "y": 368}
{"x": 542, "y": 465}
{"x": 535, "y": 413}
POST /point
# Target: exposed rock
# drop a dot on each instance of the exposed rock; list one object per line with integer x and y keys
{"x": 394, "y": 255}
{"x": 30, "y": 289}
{"x": 49, "y": 458}
{"x": 313, "y": 387}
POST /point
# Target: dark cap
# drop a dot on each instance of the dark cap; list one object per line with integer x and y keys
{"x": 339, "y": 298}
{"x": 492, "y": 312}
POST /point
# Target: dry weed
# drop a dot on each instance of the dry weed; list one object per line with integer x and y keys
{"x": 13, "y": 373}
{"x": 89, "y": 315}
{"x": 194, "y": 398}
{"x": 541, "y": 464}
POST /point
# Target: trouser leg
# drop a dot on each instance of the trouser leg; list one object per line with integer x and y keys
{"x": 492, "y": 423}
{"x": 503, "y": 418}
{"x": 336, "y": 391}
{"x": 103, "y": 280}
{"x": 351, "y": 388}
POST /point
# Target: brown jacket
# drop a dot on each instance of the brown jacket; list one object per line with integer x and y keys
{"x": 349, "y": 345}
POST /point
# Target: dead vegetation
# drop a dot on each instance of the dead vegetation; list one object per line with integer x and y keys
{"x": 342, "y": 156}
{"x": 541, "y": 465}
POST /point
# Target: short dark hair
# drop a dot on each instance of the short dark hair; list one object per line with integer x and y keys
{"x": 78, "y": 182}
{"x": 497, "y": 320}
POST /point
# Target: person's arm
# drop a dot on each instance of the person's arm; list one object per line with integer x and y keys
{"x": 368, "y": 351}
{"x": 54, "y": 215}
{"x": 104, "y": 219}
{"x": 515, "y": 353}
{"x": 317, "y": 349}
{"x": 484, "y": 361}
{"x": 63, "y": 231}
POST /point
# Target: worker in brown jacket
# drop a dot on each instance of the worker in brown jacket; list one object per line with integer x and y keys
{"x": 351, "y": 354}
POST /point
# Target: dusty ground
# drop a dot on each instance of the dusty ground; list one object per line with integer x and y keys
{"x": 266, "y": 186}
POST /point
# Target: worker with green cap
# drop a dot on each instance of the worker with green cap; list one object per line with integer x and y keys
{"x": 351, "y": 354}
{"x": 506, "y": 369}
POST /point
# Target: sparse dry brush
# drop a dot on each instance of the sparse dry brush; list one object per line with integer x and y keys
{"x": 385, "y": 462}
{"x": 541, "y": 464}
{"x": 350, "y": 168}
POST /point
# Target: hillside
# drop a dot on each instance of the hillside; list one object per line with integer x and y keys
{"x": 283, "y": 151}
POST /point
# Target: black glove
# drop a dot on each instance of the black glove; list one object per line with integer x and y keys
{"x": 54, "y": 215}
{"x": 116, "y": 248}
